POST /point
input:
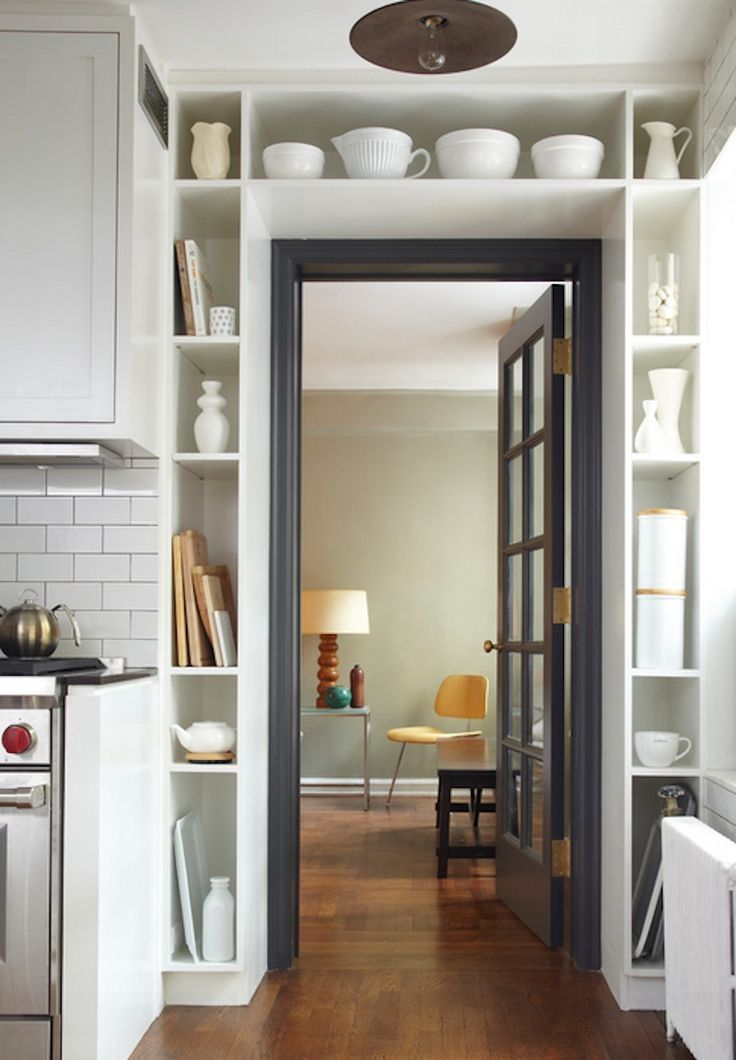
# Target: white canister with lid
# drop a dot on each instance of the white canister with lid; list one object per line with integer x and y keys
{"x": 660, "y": 629}
{"x": 662, "y": 550}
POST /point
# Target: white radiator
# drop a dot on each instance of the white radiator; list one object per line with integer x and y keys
{"x": 699, "y": 879}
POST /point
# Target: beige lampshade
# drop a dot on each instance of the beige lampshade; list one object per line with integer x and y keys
{"x": 335, "y": 611}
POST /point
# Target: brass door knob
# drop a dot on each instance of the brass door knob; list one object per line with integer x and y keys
{"x": 489, "y": 646}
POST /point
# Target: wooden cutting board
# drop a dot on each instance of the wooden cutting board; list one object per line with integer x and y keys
{"x": 194, "y": 553}
{"x": 180, "y": 618}
{"x": 212, "y": 588}
{"x": 221, "y": 571}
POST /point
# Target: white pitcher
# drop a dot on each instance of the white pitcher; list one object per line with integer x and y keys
{"x": 210, "y": 150}
{"x": 662, "y": 162}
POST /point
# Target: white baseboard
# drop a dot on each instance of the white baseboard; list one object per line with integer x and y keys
{"x": 379, "y": 786}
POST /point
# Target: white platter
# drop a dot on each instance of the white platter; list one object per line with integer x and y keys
{"x": 192, "y": 876}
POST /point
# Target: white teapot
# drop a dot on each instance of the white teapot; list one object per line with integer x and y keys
{"x": 206, "y": 736}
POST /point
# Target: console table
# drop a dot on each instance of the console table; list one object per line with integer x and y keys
{"x": 462, "y": 763}
{"x": 350, "y": 712}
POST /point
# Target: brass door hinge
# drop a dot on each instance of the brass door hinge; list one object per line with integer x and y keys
{"x": 561, "y": 857}
{"x": 562, "y": 357}
{"x": 562, "y": 606}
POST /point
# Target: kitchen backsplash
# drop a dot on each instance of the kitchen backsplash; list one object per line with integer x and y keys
{"x": 88, "y": 538}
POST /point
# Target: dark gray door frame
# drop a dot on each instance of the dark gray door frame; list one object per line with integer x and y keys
{"x": 294, "y": 261}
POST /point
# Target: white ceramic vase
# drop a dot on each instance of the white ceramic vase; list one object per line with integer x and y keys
{"x": 218, "y": 921}
{"x": 210, "y": 150}
{"x": 211, "y": 427}
{"x": 650, "y": 436}
{"x": 662, "y": 161}
{"x": 668, "y": 386}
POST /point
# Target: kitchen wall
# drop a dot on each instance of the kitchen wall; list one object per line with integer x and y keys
{"x": 719, "y": 97}
{"x": 86, "y": 537}
{"x": 399, "y": 499}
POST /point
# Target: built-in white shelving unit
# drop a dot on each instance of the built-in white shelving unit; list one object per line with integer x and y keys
{"x": 235, "y": 219}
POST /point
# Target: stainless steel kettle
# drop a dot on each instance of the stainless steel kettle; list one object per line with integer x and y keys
{"x": 29, "y": 630}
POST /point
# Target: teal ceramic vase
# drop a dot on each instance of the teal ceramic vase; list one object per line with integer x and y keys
{"x": 337, "y": 697}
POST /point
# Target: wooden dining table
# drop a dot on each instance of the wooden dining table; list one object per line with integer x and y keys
{"x": 464, "y": 762}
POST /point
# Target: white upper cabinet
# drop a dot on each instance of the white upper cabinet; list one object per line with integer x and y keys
{"x": 58, "y": 209}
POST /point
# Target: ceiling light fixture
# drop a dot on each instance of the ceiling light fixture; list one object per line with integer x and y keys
{"x": 424, "y": 37}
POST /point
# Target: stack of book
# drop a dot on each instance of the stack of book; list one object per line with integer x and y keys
{"x": 196, "y": 289}
{"x": 204, "y": 606}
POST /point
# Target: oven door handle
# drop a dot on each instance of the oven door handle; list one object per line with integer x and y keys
{"x": 23, "y": 798}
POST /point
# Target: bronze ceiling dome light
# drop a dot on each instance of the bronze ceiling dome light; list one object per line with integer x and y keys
{"x": 424, "y": 37}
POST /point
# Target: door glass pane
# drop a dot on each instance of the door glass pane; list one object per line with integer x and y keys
{"x": 512, "y": 802}
{"x": 536, "y": 490}
{"x": 513, "y": 695}
{"x": 536, "y": 602}
{"x": 514, "y": 388}
{"x": 536, "y": 807}
{"x": 513, "y": 597}
{"x": 536, "y": 409}
{"x": 515, "y": 499}
{"x": 536, "y": 698}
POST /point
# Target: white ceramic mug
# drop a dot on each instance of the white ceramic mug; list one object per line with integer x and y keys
{"x": 222, "y": 320}
{"x": 659, "y": 749}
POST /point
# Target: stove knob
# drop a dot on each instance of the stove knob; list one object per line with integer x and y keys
{"x": 17, "y": 739}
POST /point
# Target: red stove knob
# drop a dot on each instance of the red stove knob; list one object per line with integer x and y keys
{"x": 17, "y": 739}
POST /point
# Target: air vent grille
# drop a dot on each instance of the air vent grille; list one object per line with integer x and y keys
{"x": 152, "y": 97}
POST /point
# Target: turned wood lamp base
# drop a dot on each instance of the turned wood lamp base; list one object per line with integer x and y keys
{"x": 327, "y": 672}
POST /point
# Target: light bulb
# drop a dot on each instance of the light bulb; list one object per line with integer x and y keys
{"x": 431, "y": 52}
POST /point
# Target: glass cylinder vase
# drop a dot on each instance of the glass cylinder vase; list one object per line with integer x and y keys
{"x": 663, "y": 293}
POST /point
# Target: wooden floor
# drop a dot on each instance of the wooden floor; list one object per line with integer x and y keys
{"x": 398, "y": 964}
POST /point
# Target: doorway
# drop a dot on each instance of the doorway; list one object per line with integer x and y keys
{"x": 294, "y": 262}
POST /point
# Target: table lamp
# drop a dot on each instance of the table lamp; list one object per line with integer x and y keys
{"x": 328, "y": 612}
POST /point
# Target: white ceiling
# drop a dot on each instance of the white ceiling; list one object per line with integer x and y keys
{"x": 407, "y": 335}
{"x": 296, "y": 35}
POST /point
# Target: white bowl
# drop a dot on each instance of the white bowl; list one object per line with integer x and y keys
{"x": 375, "y": 152}
{"x": 565, "y": 157}
{"x": 477, "y": 153}
{"x": 293, "y": 161}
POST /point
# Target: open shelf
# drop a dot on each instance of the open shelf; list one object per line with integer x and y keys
{"x": 666, "y": 674}
{"x": 648, "y": 467}
{"x": 223, "y": 466}
{"x": 210, "y": 354}
{"x": 193, "y": 767}
{"x": 182, "y": 961}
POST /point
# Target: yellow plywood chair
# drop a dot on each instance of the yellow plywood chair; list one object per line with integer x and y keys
{"x": 459, "y": 696}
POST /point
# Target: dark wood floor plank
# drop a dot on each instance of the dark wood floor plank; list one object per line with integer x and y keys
{"x": 398, "y": 965}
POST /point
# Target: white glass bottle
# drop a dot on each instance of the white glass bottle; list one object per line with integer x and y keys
{"x": 218, "y": 922}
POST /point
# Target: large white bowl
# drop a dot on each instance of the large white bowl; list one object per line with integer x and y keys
{"x": 293, "y": 161}
{"x": 566, "y": 157}
{"x": 477, "y": 153}
{"x": 375, "y": 152}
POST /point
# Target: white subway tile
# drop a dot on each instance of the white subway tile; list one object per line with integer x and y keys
{"x": 130, "y": 596}
{"x": 17, "y": 480}
{"x": 45, "y": 510}
{"x": 104, "y": 623}
{"x": 131, "y": 539}
{"x": 135, "y": 652}
{"x": 144, "y": 625}
{"x": 93, "y": 568}
{"x": 130, "y": 480}
{"x": 74, "y": 539}
{"x": 102, "y": 510}
{"x": 12, "y": 591}
{"x": 74, "y": 481}
{"x": 87, "y": 596}
{"x": 22, "y": 538}
{"x": 8, "y": 567}
{"x": 7, "y": 509}
{"x": 48, "y": 568}
{"x": 143, "y": 510}
{"x": 89, "y": 649}
{"x": 144, "y": 568}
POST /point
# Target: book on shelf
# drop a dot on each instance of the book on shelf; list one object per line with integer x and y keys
{"x": 184, "y": 289}
{"x": 199, "y": 286}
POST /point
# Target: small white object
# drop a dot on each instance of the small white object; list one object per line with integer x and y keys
{"x": 204, "y": 736}
{"x": 375, "y": 153}
{"x": 662, "y": 550}
{"x": 224, "y": 633}
{"x": 218, "y": 922}
{"x": 660, "y": 630}
{"x": 211, "y": 427}
{"x": 668, "y": 387}
{"x": 222, "y": 320}
{"x": 477, "y": 154}
{"x": 210, "y": 150}
{"x": 293, "y": 161}
{"x": 658, "y": 750}
{"x": 650, "y": 436}
{"x": 662, "y": 162}
{"x": 567, "y": 157}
